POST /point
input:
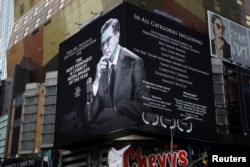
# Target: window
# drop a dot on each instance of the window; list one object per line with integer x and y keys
{"x": 240, "y": 2}
{"x": 29, "y": 127}
{"x": 16, "y": 2}
{"x": 49, "y": 13}
{"x": 29, "y": 118}
{"x": 26, "y": 31}
{"x": 16, "y": 27}
{"x": 16, "y": 39}
{"x": 48, "y": 138}
{"x": 30, "y": 109}
{"x": 51, "y": 90}
{"x": 50, "y": 100}
{"x": 28, "y": 145}
{"x": 35, "y": 11}
{"x": 37, "y": 22}
{"x": 30, "y": 100}
{"x": 49, "y": 109}
{"x": 61, "y": 4}
{"x": 248, "y": 20}
{"x": 49, "y": 128}
{"x": 28, "y": 136}
{"x": 46, "y": 3}
{"x": 31, "y": 3}
{"x": 22, "y": 9}
{"x": 217, "y": 5}
{"x": 25, "y": 20}
{"x": 49, "y": 119}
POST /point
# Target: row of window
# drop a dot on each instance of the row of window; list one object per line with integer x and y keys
{"x": 35, "y": 16}
{"x": 30, "y": 116}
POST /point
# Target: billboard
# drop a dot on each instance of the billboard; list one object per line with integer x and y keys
{"x": 162, "y": 79}
{"x": 228, "y": 40}
{"x": 244, "y": 97}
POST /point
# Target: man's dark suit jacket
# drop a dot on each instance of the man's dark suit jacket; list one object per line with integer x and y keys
{"x": 129, "y": 91}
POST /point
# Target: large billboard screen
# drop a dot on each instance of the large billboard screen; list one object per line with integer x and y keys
{"x": 162, "y": 79}
{"x": 228, "y": 40}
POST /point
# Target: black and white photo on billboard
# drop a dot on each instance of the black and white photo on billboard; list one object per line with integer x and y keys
{"x": 158, "y": 85}
{"x": 233, "y": 39}
{"x": 239, "y": 44}
{"x": 118, "y": 91}
{"x": 219, "y": 34}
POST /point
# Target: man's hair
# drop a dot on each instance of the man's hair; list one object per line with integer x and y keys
{"x": 111, "y": 22}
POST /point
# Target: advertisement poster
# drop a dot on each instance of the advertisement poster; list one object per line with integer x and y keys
{"x": 228, "y": 40}
{"x": 162, "y": 79}
{"x": 244, "y": 93}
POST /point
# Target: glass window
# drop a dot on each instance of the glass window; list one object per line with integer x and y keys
{"x": 30, "y": 109}
{"x": 27, "y": 145}
{"x": 46, "y": 3}
{"x": 240, "y": 2}
{"x": 30, "y": 100}
{"x": 49, "y": 13}
{"x": 248, "y": 20}
{"x": 16, "y": 2}
{"x": 29, "y": 127}
{"x": 26, "y": 31}
{"x": 48, "y": 138}
{"x": 22, "y": 9}
{"x": 51, "y": 90}
{"x": 49, "y": 109}
{"x": 48, "y": 119}
{"x": 25, "y": 20}
{"x": 61, "y": 4}
{"x": 49, "y": 128}
{"x": 31, "y": 3}
{"x": 36, "y": 11}
{"x": 28, "y": 136}
{"x": 16, "y": 39}
{"x": 29, "y": 118}
{"x": 50, "y": 100}
{"x": 37, "y": 22}
{"x": 217, "y": 78}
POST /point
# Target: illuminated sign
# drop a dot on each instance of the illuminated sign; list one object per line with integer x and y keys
{"x": 228, "y": 40}
{"x": 177, "y": 158}
{"x": 162, "y": 79}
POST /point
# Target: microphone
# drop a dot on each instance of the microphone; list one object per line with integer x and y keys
{"x": 89, "y": 91}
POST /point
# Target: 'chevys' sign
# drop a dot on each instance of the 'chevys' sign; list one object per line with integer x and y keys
{"x": 174, "y": 159}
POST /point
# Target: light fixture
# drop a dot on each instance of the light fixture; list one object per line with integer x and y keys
{"x": 78, "y": 23}
{"x": 93, "y": 13}
{"x": 64, "y": 33}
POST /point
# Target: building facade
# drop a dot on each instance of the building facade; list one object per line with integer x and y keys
{"x": 29, "y": 95}
{"x": 7, "y": 21}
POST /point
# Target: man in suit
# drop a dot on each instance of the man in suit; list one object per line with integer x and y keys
{"x": 120, "y": 105}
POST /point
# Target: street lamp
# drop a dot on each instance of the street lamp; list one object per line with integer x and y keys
{"x": 172, "y": 131}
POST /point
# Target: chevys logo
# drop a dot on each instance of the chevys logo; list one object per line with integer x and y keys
{"x": 134, "y": 158}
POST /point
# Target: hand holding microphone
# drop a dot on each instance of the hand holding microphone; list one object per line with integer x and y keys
{"x": 102, "y": 67}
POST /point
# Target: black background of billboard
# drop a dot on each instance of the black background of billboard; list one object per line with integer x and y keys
{"x": 69, "y": 107}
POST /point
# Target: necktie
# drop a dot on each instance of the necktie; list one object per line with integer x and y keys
{"x": 112, "y": 82}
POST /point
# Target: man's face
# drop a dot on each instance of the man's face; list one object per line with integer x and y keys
{"x": 109, "y": 42}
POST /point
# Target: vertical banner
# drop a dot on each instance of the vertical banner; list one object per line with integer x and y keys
{"x": 228, "y": 39}
{"x": 161, "y": 81}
